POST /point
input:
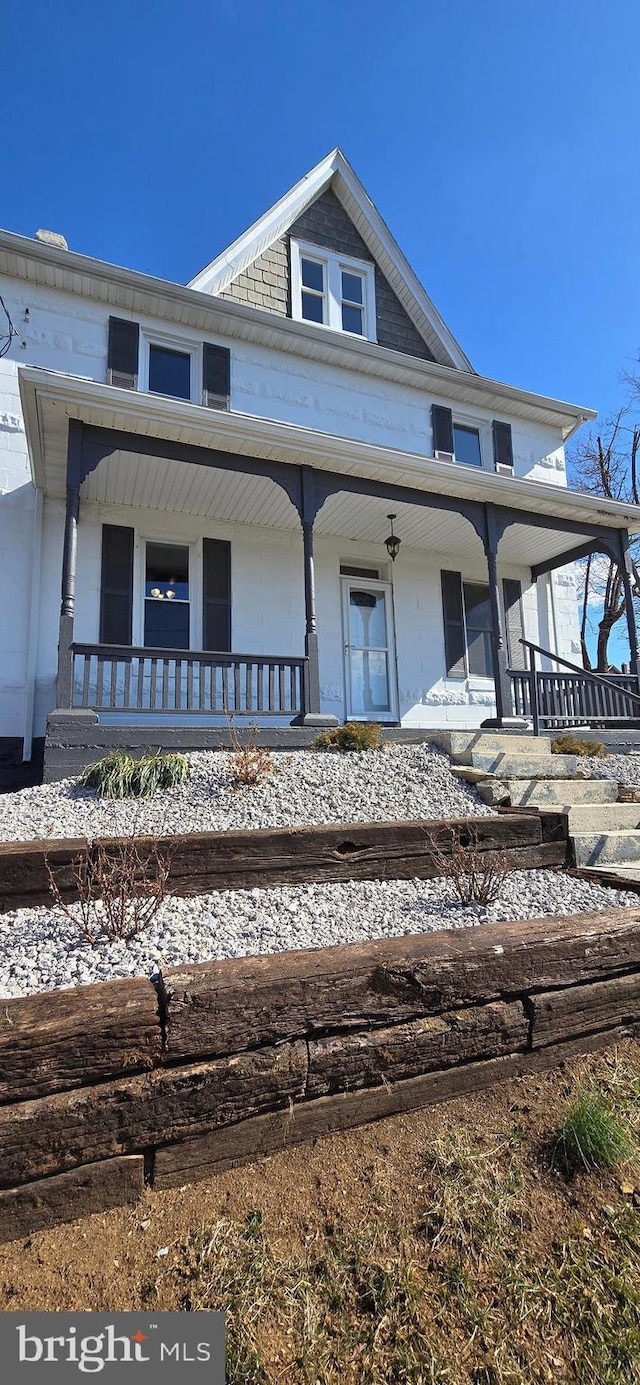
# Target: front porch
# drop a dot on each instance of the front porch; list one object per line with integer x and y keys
{"x": 310, "y": 514}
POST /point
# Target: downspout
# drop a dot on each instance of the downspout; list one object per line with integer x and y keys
{"x": 34, "y": 625}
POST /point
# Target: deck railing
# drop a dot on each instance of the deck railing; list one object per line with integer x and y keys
{"x": 577, "y": 697}
{"x": 119, "y": 678}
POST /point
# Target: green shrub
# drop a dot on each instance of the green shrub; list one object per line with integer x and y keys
{"x": 592, "y": 1137}
{"x": 118, "y": 775}
{"x": 572, "y": 745}
{"x": 354, "y": 735}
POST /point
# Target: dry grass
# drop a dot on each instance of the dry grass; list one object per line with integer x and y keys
{"x": 436, "y": 1248}
{"x": 477, "y": 876}
{"x": 120, "y": 886}
{"x": 250, "y": 763}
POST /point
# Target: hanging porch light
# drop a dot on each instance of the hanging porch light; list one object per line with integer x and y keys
{"x": 392, "y": 543}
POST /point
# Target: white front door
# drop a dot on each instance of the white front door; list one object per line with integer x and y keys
{"x": 369, "y": 650}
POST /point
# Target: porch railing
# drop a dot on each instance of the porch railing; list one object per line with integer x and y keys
{"x": 118, "y": 678}
{"x": 574, "y": 698}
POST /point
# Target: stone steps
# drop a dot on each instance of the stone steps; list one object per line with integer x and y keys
{"x": 460, "y": 744}
{"x": 521, "y": 770}
{"x": 606, "y": 848}
{"x": 604, "y": 817}
{"x": 510, "y": 765}
{"x": 560, "y": 793}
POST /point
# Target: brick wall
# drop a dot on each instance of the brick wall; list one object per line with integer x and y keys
{"x": 266, "y": 284}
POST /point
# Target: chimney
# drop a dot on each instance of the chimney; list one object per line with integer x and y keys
{"x": 52, "y": 238}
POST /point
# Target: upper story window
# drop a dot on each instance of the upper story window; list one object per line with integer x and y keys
{"x": 158, "y": 363}
{"x": 333, "y": 290}
{"x": 169, "y": 371}
{"x": 466, "y": 444}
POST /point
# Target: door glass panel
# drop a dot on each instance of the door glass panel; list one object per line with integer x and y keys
{"x": 166, "y": 606}
{"x": 369, "y": 681}
{"x": 367, "y": 619}
{"x": 368, "y": 654}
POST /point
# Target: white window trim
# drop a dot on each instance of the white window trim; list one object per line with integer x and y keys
{"x": 186, "y": 346}
{"x": 483, "y": 430}
{"x": 333, "y": 265}
{"x": 142, "y": 538}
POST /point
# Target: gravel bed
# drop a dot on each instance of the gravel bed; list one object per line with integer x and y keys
{"x": 40, "y": 948}
{"x": 306, "y": 787}
{"x": 624, "y": 768}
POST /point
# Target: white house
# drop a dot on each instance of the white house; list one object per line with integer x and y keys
{"x": 197, "y": 484}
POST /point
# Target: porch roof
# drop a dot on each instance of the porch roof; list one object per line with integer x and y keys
{"x": 51, "y": 399}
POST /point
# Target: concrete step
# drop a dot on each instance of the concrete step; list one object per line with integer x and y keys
{"x": 626, "y": 872}
{"x": 606, "y": 848}
{"x": 505, "y": 765}
{"x": 560, "y": 793}
{"x": 604, "y": 817}
{"x": 460, "y": 744}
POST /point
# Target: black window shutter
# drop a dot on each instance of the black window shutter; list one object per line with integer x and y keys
{"x": 122, "y": 353}
{"x": 502, "y": 445}
{"x": 442, "y": 426}
{"x": 116, "y": 587}
{"x": 216, "y": 376}
{"x": 216, "y": 594}
{"x": 454, "y": 634}
{"x": 512, "y": 596}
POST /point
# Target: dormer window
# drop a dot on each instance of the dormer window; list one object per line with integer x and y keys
{"x": 333, "y": 290}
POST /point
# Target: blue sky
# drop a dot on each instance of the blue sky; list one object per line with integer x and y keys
{"x": 498, "y": 138}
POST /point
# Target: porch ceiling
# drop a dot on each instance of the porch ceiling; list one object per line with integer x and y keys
{"x": 150, "y": 482}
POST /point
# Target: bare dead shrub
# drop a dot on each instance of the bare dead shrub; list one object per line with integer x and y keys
{"x": 250, "y": 763}
{"x": 120, "y": 886}
{"x": 477, "y": 876}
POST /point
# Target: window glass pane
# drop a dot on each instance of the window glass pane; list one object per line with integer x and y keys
{"x": 466, "y": 442}
{"x": 167, "y": 574}
{"x": 351, "y": 319}
{"x": 313, "y": 275}
{"x": 351, "y": 287}
{"x": 166, "y": 624}
{"x": 169, "y": 372}
{"x": 478, "y": 621}
{"x": 312, "y": 307}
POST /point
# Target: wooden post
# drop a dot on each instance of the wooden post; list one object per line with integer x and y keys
{"x": 64, "y": 685}
{"x": 626, "y": 573}
{"x": 504, "y": 700}
{"x": 311, "y": 714}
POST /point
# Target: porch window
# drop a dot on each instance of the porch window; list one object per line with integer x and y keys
{"x": 467, "y": 626}
{"x": 166, "y": 603}
{"x": 169, "y": 372}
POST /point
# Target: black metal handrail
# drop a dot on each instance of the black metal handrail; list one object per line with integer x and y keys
{"x": 584, "y": 672}
{"x": 573, "y": 698}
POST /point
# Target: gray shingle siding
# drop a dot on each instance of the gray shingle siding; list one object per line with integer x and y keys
{"x": 266, "y": 283}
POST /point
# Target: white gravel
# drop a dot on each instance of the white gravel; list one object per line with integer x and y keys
{"x": 40, "y": 949}
{"x": 624, "y": 768}
{"x": 306, "y": 787}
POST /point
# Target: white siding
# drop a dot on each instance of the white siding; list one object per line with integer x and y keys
{"x": 68, "y": 334}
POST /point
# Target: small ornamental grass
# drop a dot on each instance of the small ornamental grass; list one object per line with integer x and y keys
{"x": 572, "y": 745}
{"x": 592, "y": 1137}
{"x": 354, "y": 735}
{"x": 118, "y": 775}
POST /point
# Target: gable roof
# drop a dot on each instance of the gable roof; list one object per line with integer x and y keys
{"x": 336, "y": 172}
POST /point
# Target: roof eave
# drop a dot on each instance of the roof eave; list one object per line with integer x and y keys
{"x": 287, "y": 441}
